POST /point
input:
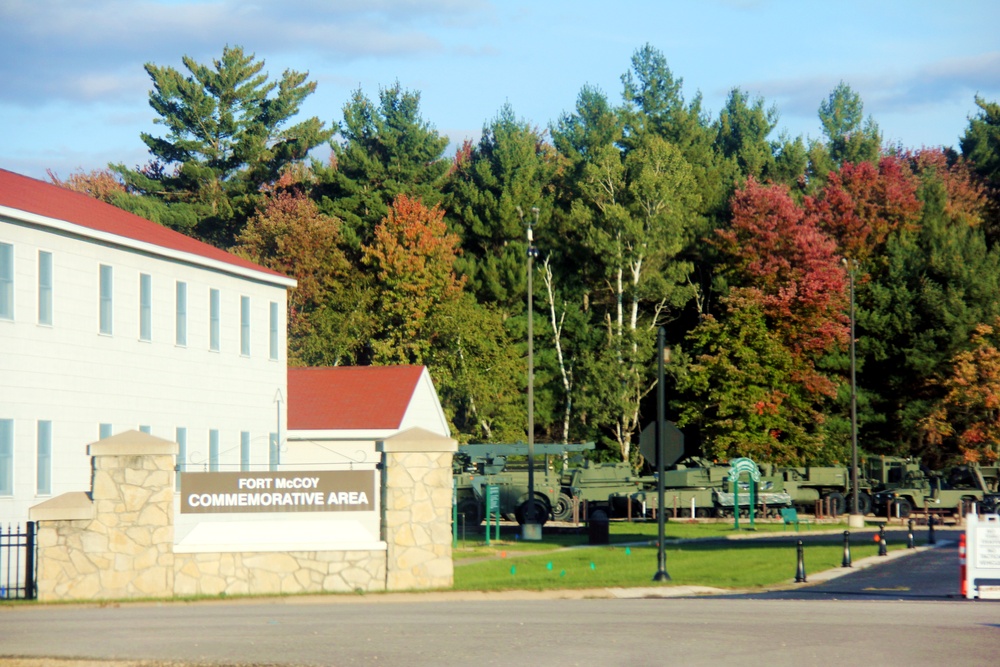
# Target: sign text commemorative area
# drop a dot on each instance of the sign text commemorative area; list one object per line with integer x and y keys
{"x": 295, "y": 491}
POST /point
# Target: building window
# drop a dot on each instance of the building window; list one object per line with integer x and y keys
{"x": 104, "y": 431}
{"x": 145, "y": 306}
{"x": 214, "y": 319}
{"x": 245, "y": 326}
{"x": 6, "y": 281}
{"x": 44, "y": 287}
{"x": 273, "y": 452}
{"x": 6, "y": 457}
{"x": 145, "y": 428}
{"x": 213, "y": 450}
{"x": 274, "y": 331}
{"x": 43, "y": 477}
{"x": 245, "y": 450}
{"x": 107, "y": 292}
{"x": 182, "y": 307}
{"x": 181, "y": 436}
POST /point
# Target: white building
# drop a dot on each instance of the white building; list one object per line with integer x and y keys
{"x": 336, "y": 415}
{"x": 109, "y": 322}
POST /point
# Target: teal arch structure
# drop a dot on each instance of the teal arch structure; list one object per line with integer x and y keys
{"x": 737, "y": 467}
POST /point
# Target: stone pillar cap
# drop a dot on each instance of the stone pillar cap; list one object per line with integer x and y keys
{"x": 71, "y": 506}
{"x": 417, "y": 439}
{"x": 132, "y": 443}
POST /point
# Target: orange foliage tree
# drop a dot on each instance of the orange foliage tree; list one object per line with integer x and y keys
{"x": 413, "y": 256}
{"x": 970, "y": 409}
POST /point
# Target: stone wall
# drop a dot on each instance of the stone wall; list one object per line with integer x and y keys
{"x": 117, "y": 541}
{"x": 279, "y": 572}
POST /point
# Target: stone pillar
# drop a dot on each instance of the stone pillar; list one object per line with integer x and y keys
{"x": 416, "y": 509}
{"x": 117, "y": 541}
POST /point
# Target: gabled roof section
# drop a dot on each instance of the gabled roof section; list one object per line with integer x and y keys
{"x": 350, "y": 397}
{"x": 97, "y": 219}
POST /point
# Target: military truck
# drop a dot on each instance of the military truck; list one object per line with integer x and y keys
{"x": 806, "y": 485}
{"x": 605, "y": 486}
{"x": 946, "y": 490}
{"x": 477, "y": 466}
{"x": 705, "y": 486}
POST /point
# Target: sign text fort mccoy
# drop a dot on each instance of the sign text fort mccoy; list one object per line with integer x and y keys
{"x": 295, "y": 491}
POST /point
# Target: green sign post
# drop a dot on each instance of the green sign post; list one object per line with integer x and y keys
{"x": 492, "y": 511}
{"x": 736, "y": 468}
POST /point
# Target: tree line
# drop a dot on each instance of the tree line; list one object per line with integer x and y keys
{"x": 646, "y": 211}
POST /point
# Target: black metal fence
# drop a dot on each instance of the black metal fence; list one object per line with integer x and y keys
{"x": 18, "y": 562}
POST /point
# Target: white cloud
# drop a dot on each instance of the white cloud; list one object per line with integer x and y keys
{"x": 77, "y": 51}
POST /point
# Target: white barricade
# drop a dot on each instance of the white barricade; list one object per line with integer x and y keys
{"x": 982, "y": 561}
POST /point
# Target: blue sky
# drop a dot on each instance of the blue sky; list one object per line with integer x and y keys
{"x": 74, "y": 95}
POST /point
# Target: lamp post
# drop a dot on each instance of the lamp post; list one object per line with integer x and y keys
{"x": 856, "y": 519}
{"x": 661, "y": 355}
{"x": 532, "y": 530}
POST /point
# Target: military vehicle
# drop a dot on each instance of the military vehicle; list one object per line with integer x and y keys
{"x": 477, "y": 466}
{"x": 806, "y": 485}
{"x": 947, "y": 490}
{"x": 605, "y": 486}
{"x": 705, "y": 487}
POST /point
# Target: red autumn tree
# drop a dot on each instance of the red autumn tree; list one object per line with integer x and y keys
{"x": 862, "y": 204}
{"x": 288, "y": 234}
{"x": 100, "y": 184}
{"x": 966, "y": 200}
{"x": 777, "y": 250}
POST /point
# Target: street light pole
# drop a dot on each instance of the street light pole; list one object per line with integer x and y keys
{"x": 661, "y": 409}
{"x": 532, "y": 529}
{"x": 856, "y": 519}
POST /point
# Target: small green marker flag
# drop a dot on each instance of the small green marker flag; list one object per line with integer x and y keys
{"x": 592, "y": 566}
{"x": 628, "y": 551}
{"x": 562, "y": 573}
{"x": 513, "y": 569}
{"x": 548, "y": 566}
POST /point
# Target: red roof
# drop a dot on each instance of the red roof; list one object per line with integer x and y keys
{"x": 52, "y": 201}
{"x": 350, "y": 397}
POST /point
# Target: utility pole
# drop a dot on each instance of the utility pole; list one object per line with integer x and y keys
{"x": 532, "y": 529}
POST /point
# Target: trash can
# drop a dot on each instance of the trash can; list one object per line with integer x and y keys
{"x": 597, "y": 527}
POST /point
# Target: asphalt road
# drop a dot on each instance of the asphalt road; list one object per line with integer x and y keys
{"x": 902, "y": 611}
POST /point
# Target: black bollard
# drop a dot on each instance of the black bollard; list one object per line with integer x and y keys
{"x": 800, "y": 570}
{"x": 847, "y": 550}
{"x": 930, "y": 530}
{"x": 883, "y": 549}
{"x": 909, "y": 536}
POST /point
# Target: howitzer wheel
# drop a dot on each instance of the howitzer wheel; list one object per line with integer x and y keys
{"x": 563, "y": 511}
{"x": 541, "y": 512}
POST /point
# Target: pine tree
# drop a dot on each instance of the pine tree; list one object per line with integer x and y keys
{"x": 228, "y": 133}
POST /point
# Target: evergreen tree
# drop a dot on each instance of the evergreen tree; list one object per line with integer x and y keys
{"x": 980, "y": 146}
{"x": 385, "y": 150}
{"x": 851, "y": 138}
{"x": 741, "y": 135}
{"x": 228, "y": 134}
{"x": 489, "y": 190}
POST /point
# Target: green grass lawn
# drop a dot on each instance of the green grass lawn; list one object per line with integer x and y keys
{"x": 473, "y": 545}
{"x": 564, "y": 560}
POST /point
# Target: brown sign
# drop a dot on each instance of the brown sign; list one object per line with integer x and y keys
{"x": 295, "y": 491}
